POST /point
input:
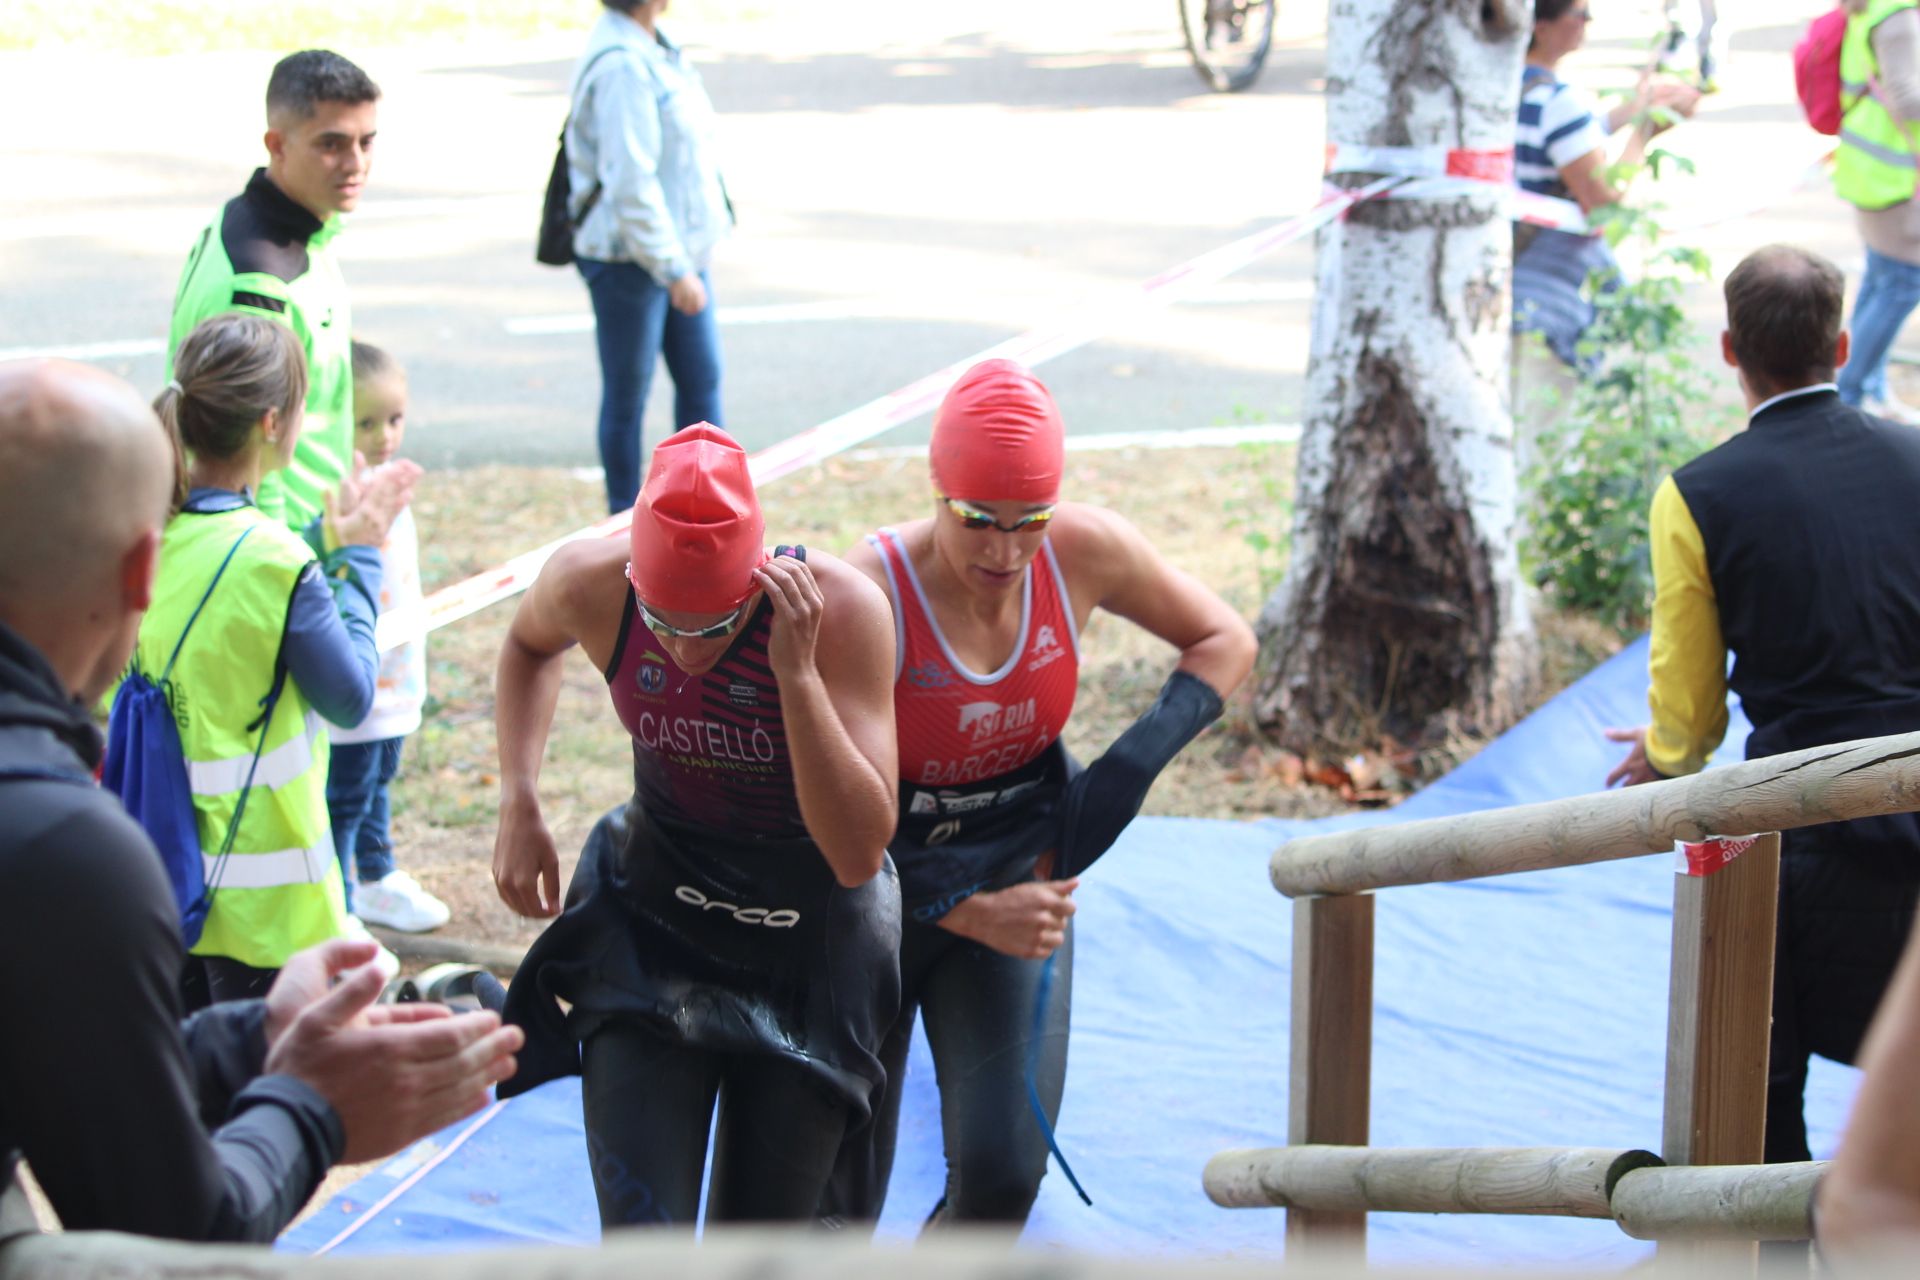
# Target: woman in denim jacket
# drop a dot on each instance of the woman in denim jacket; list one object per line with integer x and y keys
{"x": 649, "y": 207}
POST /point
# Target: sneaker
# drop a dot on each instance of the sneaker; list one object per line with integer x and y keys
{"x": 1892, "y": 410}
{"x": 397, "y": 901}
{"x": 389, "y": 963}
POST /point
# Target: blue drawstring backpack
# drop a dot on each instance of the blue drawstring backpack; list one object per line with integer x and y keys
{"x": 147, "y": 768}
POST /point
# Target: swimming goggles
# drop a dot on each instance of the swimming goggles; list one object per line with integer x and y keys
{"x": 667, "y": 631}
{"x": 974, "y": 518}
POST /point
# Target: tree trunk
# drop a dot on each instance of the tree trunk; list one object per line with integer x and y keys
{"x": 1403, "y": 611}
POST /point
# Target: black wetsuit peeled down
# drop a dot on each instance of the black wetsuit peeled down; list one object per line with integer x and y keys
{"x": 710, "y": 960}
{"x": 997, "y": 1025}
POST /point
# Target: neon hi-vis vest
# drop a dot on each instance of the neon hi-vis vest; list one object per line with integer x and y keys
{"x": 280, "y": 889}
{"x": 1875, "y": 165}
{"x": 264, "y": 254}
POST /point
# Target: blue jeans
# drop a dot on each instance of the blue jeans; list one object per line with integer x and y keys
{"x": 1889, "y": 291}
{"x": 357, "y": 779}
{"x": 634, "y": 326}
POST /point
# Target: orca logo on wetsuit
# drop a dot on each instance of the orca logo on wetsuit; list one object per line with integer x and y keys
{"x": 784, "y": 918}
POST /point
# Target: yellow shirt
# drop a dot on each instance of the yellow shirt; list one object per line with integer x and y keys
{"x": 1688, "y": 662}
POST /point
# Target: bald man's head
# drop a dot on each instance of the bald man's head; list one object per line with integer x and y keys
{"x": 86, "y": 479}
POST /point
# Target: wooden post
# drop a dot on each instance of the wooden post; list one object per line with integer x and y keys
{"x": 1720, "y": 1008}
{"x": 1330, "y": 1085}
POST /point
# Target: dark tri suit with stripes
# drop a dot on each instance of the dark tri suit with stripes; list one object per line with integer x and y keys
{"x": 702, "y": 912}
{"x": 708, "y": 750}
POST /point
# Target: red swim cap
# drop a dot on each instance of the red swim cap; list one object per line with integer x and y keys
{"x": 998, "y": 437}
{"x": 697, "y": 530}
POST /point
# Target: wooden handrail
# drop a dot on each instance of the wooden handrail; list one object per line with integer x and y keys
{"x": 1774, "y": 793}
{"x": 1574, "y": 1182}
{"x": 1718, "y": 1202}
{"x": 1650, "y": 1200}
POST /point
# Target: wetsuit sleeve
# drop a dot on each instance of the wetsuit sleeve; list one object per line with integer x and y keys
{"x": 329, "y": 645}
{"x": 99, "y": 1082}
{"x": 1104, "y": 798}
{"x": 1688, "y": 658}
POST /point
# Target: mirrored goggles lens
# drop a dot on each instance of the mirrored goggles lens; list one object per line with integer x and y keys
{"x": 667, "y": 631}
{"x": 974, "y": 518}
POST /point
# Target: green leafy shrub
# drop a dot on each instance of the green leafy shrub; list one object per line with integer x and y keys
{"x": 1641, "y": 413}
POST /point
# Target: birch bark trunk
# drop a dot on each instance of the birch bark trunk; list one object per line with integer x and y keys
{"x": 1403, "y": 610}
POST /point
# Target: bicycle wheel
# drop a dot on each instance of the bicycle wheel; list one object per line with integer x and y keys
{"x": 1227, "y": 39}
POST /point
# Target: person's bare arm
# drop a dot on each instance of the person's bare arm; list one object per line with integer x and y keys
{"x": 1870, "y": 1198}
{"x": 526, "y": 866}
{"x": 1110, "y": 564}
{"x": 1651, "y": 111}
{"x": 1586, "y": 179}
{"x": 832, "y": 652}
{"x": 1129, "y": 578}
{"x": 1027, "y": 920}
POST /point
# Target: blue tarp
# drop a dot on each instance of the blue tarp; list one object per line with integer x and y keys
{"x": 1523, "y": 1011}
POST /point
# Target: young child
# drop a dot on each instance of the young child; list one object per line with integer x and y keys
{"x": 366, "y": 756}
{"x": 239, "y": 601}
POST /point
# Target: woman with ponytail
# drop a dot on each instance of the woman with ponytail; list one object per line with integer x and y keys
{"x": 264, "y": 636}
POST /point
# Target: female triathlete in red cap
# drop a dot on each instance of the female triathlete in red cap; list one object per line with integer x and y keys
{"x": 734, "y": 931}
{"x": 996, "y": 822}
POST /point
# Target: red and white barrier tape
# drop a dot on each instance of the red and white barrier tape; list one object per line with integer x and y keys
{"x": 462, "y": 599}
{"x": 1412, "y": 173}
{"x": 1437, "y": 173}
{"x": 1489, "y": 165}
{"x": 1715, "y": 853}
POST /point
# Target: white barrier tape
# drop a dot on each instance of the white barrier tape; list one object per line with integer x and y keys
{"x": 1493, "y": 164}
{"x": 465, "y": 598}
{"x": 1521, "y": 205}
{"x": 1431, "y": 179}
{"x": 1440, "y": 173}
{"x": 1548, "y": 211}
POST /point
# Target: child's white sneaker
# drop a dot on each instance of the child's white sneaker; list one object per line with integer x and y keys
{"x": 397, "y": 901}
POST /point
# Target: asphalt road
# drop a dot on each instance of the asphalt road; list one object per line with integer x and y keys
{"x": 914, "y": 184}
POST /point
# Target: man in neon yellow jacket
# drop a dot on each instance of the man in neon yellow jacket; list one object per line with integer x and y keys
{"x": 269, "y": 251}
{"x": 1874, "y": 171}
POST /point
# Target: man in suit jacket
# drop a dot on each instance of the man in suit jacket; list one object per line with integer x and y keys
{"x": 1794, "y": 546}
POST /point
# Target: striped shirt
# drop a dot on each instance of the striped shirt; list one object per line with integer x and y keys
{"x": 1557, "y": 126}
